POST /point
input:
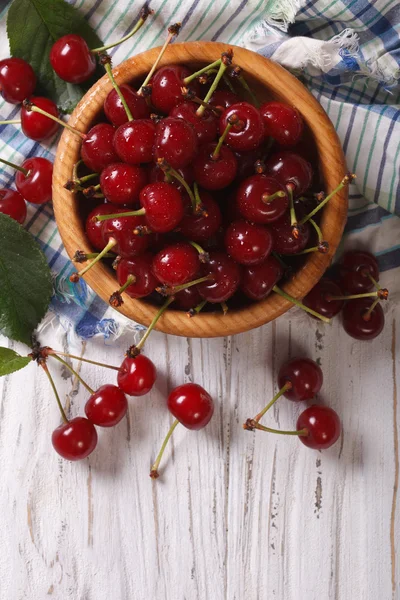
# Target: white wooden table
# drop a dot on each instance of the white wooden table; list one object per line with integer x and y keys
{"x": 235, "y": 515}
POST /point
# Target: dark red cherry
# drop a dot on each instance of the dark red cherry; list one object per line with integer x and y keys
{"x": 134, "y": 141}
{"x": 13, "y": 205}
{"x": 191, "y": 405}
{"x": 246, "y": 162}
{"x": 97, "y": 150}
{"x": 156, "y": 174}
{"x": 225, "y": 278}
{"x": 354, "y": 268}
{"x": 115, "y": 111}
{"x": 223, "y": 99}
{"x": 214, "y": 173}
{"x": 317, "y": 298}
{"x": 187, "y": 299}
{"x": 323, "y": 427}
{"x": 75, "y": 439}
{"x": 17, "y": 80}
{"x": 176, "y": 142}
{"x": 163, "y": 205}
{"x": 141, "y": 268}
{"x": 206, "y": 126}
{"x": 284, "y": 240}
{"x": 107, "y": 406}
{"x": 248, "y": 133}
{"x": 358, "y": 324}
{"x": 176, "y": 264}
{"x": 36, "y": 126}
{"x": 122, "y": 183}
{"x": 259, "y": 199}
{"x": 199, "y": 228}
{"x": 71, "y": 59}
{"x": 166, "y": 87}
{"x": 248, "y": 244}
{"x": 305, "y": 377}
{"x": 258, "y": 280}
{"x": 93, "y": 227}
{"x": 35, "y": 186}
{"x": 122, "y": 230}
{"x": 282, "y": 122}
{"x": 290, "y": 169}
{"x": 137, "y": 375}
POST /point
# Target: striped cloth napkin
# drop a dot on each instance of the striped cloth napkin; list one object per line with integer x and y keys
{"x": 346, "y": 52}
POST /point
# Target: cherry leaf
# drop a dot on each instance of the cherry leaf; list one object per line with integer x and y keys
{"x": 11, "y": 361}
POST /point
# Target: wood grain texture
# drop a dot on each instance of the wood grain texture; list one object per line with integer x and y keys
{"x": 271, "y": 81}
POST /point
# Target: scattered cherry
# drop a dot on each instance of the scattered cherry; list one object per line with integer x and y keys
{"x": 75, "y": 439}
{"x": 36, "y": 126}
{"x": 354, "y": 269}
{"x": 361, "y": 324}
{"x": 36, "y": 184}
{"x": 191, "y": 405}
{"x": 17, "y": 80}
{"x": 107, "y": 406}
{"x": 13, "y": 205}
{"x": 318, "y": 298}
{"x": 305, "y": 378}
{"x": 282, "y": 122}
{"x": 322, "y": 425}
{"x": 71, "y": 59}
{"x": 137, "y": 375}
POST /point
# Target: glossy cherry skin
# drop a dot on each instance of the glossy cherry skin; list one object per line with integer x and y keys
{"x": 199, "y": 228}
{"x": 290, "y": 169}
{"x": 97, "y": 151}
{"x": 36, "y": 186}
{"x": 305, "y": 377}
{"x": 214, "y": 173}
{"x": 94, "y": 228}
{"x": 248, "y": 244}
{"x": 141, "y": 267}
{"x": 258, "y": 280}
{"x": 225, "y": 280}
{"x": 122, "y": 183}
{"x": 249, "y": 133}
{"x": 156, "y": 174}
{"x": 187, "y": 299}
{"x": 176, "y": 264}
{"x": 206, "y": 126}
{"x": 71, "y": 59}
{"x": 317, "y": 298}
{"x": 354, "y": 321}
{"x": 13, "y": 205}
{"x": 353, "y": 268}
{"x": 75, "y": 440}
{"x": 107, "y": 406}
{"x": 323, "y": 427}
{"x": 115, "y": 111}
{"x": 17, "y": 80}
{"x": 223, "y": 99}
{"x": 134, "y": 141}
{"x": 137, "y": 375}
{"x": 36, "y": 126}
{"x": 176, "y": 142}
{"x": 122, "y": 230}
{"x": 163, "y": 205}
{"x": 282, "y": 122}
{"x": 284, "y": 240}
{"x": 191, "y": 405}
{"x": 250, "y": 201}
{"x": 166, "y": 87}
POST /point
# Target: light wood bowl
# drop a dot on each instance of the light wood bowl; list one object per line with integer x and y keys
{"x": 271, "y": 81}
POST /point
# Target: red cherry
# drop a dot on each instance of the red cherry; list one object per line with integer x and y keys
{"x": 246, "y": 162}
{"x": 356, "y": 322}
{"x": 191, "y": 405}
{"x": 71, "y": 59}
{"x": 97, "y": 150}
{"x": 225, "y": 278}
{"x": 163, "y": 205}
{"x": 176, "y": 264}
{"x": 35, "y": 186}
{"x": 259, "y": 199}
{"x": 137, "y": 375}
{"x": 122, "y": 230}
{"x": 122, "y": 183}
{"x": 176, "y": 142}
{"x": 199, "y": 228}
{"x": 93, "y": 227}
{"x": 258, "y": 280}
{"x": 323, "y": 427}
{"x": 13, "y": 205}
{"x": 317, "y": 298}
{"x": 107, "y": 406}
{"x": 17, "y": 80}
{"x": 223, "y": 99}
{"x": 354, "y": 268}
{"x": 134, "y": 141}
{"x": 290, "y": 169}
{"x": 248, "y": 244}
{"x": 214, "y": 173}
{"x": 248, "y": 133}
{"x": 36, "y": 126}
{"x": 75, "y": 439}
{"x": 282, "y": 122}
{"x": 115, "y": 111}
{"x": 166, "y": 87}
{"x": 284, "y": 240}
{"x": 156, "y": 174}
{"x": 187, "y": 299}
{"x": 305, "y": 377}
{"x": 205, "y": 126}
{"x": 141, "y": 268}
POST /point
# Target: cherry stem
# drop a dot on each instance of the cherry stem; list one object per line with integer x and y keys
{"x": 53, "y": 385}
{"x": 168, "y": 170}
{"x": 10, "y": 164}
{"x": 215, "y": 154}
{"x": 81, "y": 256}
{"x": 193, "y": 76}
{"x": 303, "y": 432}
{"x": 381, "y": 294}
{"x": 268, "y": 198}
{"x": 293, "y": 218}
{"x": 198, "y": 206}
{"x": 284, "y": 389}
{"x": 156, "y": 464}
{"x": 130, "y": 279}
{"x": 131, "y": 213}
{"x": 75, "y": 276}
{"x": 317, "y": 229}
{"x": 226, "y": 58}
{"x": 237, "y": 74}
{"x": 173, "y": 31}
{"x": 193, "y": 98}
{"x": 280, "y": 292}
{"x": 348, "y": 178}
{"x": 75, "y": 373}
{"x": 52, "y": 352}
{"x": 308, "y": 251}
{"x": 144, "y": 13}
{"x": 203, "y": 255}
{"x": 107, "y": 66}
{"x": 368, "y": 313}
{"x": 376, "y": 284}
{"x": 32, "y": 108}
{"x": 224, "y": 308}
{"x": 87, "y": 177}
{"x": 164, "y": 307}
{"x": 195, "y": 311}
{"x": 168, "y": 291}
{"x": 11, "y": 122}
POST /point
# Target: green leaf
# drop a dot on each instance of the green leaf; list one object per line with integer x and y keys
{"x": 33, "y": 26}
{"x": 25, "y": 281}
{"x": 10, "y": 361}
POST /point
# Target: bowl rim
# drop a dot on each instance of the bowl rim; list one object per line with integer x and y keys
{"x": 331, "y": 164}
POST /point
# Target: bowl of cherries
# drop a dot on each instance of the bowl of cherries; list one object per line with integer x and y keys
{"x": 188, "y": 184}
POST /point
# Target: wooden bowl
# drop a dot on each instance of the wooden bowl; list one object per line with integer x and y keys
{"x": 271, "y": 81}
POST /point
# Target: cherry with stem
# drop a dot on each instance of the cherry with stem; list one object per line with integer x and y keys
{"x": 280, "y": 292}
{"x": 226, "y": 60}
{"x": 237, "y": 73}
{"x": 173, "y": 32}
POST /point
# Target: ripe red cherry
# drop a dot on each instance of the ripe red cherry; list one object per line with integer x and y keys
{"x": 71, "y": 59}
{"x": 317, "y": 298}
{"x": 115, "y": 111}
{"x": 223, "y": 99}
{"x": 258, "y": 280}
{"x": 284, "y": 240}
{"x": 141, "y": 268}
{"x": 163, "y": 205}
{"x": 214, "y": 173}
{"x": 107, "y": 406}
{"x": 323, "y": 427}
{"x": 134, "y": 141}
{"x": 205, "y": 126}
{"x": 354, "y": 268}
{"x": 225, "y": 278}
{"x": 304, "y": 376}
{"x": 122, "y": 230}
{"x": 191, "y": 405}
{"x": 166, "y": 87}
{"x": 356, "y": 322}
{"x": 97, "y": 150}
{"x": 17, "y": 80}
{"x": 93, "y": 227}
{"x": 35, "y": 186}
{"x": 75, "y": 439}
{"x": 282, "y": 122}
{"x": 156, "y": 174}
{"x": 176, "y": 142}
{"x": 257, "y": 202}
{"x": 248, "y": 244}
{"x": 176, "y": 264}
{"x": 249, "y": 131}
{"x": 200, "y": 228}
{"x": 36, "y": 126}
{"x": 13, "y": 205}
{"x": 290, "y": 169}
{"x": 137, "y": 375}
{"x": 187, "y": 299}
{"x": 121, "y": 183}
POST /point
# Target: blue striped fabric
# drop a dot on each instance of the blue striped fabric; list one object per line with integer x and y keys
{"x": 347, "y": 53}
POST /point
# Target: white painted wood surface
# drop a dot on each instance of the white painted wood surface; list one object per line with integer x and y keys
{"x": 235, "y": 515}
